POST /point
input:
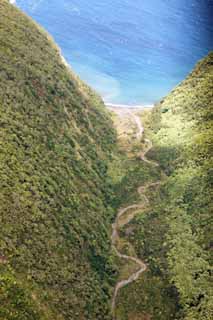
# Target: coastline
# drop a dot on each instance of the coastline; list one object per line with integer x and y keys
{"x": 127, "y": 106}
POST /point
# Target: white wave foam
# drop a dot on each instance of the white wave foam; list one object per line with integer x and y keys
{"x": 64, "y": 61}
{"x": 12, "y": 1}
{"x": 114, "y": 105}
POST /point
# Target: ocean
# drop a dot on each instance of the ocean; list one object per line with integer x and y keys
{"x": 132, "y": 52}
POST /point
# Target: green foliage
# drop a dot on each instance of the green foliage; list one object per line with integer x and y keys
{"x": 15, "y": 301}
{"x": 136, "y": 175}
{"x": 56, "y": 140}
{"x": 182, "y": 124}
{"x": 151, "y": 295}
{"x": 173, "y": 236}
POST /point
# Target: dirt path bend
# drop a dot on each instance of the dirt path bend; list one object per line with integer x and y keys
{"x": 130, "y": 212}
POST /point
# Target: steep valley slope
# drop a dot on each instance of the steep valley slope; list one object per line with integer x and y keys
{"x": 56, "y": 140}
{"x": 172, "y": 235}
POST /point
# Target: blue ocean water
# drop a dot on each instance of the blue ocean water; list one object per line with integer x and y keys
{"x": 130, "y": 51}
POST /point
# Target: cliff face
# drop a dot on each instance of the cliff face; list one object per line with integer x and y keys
{"x": 55, "y": 143}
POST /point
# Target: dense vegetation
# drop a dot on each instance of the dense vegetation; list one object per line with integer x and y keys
{"x": 174, "y": 235}
{"x": 56, "y": 141}
{"x": 182, "y": 129}
{"x": 56, "y": 196}
{"x": 151, "y": 296}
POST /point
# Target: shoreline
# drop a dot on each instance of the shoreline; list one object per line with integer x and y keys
{"x": 127, "y": 106}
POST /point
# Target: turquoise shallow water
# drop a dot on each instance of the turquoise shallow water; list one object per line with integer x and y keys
{"x": 131, "y": 52}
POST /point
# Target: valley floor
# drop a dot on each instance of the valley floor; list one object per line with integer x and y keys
{"x": 134, "y": 147}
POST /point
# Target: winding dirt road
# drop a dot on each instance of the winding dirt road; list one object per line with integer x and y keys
{"x": 133, "y": 211}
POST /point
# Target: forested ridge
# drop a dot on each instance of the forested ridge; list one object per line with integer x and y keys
{"x": 56, "y": 140}
{"x": 182, "y": 132}
{"x": 173, "y": 236}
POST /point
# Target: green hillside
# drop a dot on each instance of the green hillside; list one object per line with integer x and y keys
{"x": 56, "y": 140}
{"x": 174, "y": 234}
{"x": 182, "y": 132}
